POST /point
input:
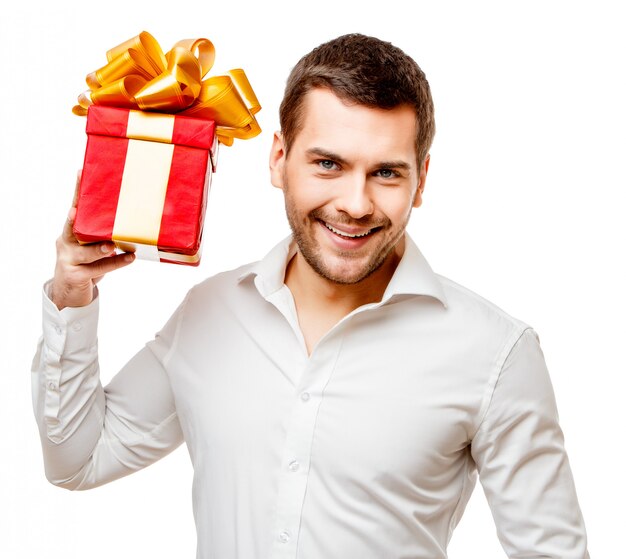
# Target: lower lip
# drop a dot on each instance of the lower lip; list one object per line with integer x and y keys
{"x": 346, "y": 243}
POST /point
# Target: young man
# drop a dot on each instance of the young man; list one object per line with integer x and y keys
{"x": 337, "y": 397}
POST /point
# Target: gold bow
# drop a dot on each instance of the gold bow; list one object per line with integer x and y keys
{"x": 139, "y": 76}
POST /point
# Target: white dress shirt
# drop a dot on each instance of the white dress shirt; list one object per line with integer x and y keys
{"x": 366, "y": 449}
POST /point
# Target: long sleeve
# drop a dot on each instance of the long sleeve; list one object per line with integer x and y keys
{"x": 91, "y": 435}
{"x": 522, "y": 463}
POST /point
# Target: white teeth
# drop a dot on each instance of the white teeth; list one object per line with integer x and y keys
{"x": 344, "y": 234}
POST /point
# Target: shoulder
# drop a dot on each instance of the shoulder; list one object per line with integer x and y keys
{"x": 221, "y": 286}
{"x": 211, "y": 304}
{"x": 462, "y": 299}
{"x": 478, "y": 318}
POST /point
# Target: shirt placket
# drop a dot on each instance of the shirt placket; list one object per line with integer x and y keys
{"x": 296, "y": 462}
{"x": 307, "y": 399}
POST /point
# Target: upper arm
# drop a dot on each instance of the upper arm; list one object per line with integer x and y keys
{"x": 140, "y": 422}
{"x": 522, "y": 463}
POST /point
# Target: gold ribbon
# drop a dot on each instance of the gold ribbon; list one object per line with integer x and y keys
{"x": 143, "y": 189}
{"x": 139, "y": 76}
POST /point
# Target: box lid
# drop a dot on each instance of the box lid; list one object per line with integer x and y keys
{"x": 155, "y": 127}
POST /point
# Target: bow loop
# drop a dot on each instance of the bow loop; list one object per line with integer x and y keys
{"x": 139, "y": 76}
{"x": 202, "y": 49}
{"x": 145, "y": 44}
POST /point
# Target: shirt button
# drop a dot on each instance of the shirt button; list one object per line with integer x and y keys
{"x": 305, "y": 396}
{"x": 52, "y": 386}
{"x": 294, "y": 466}
{"x": 57, "y": 329}
{"x": 77, "y": 326}
{"x": 284, "y": 536}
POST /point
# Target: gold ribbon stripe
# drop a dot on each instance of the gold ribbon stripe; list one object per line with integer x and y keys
{"x": 150, "y": 126}
{"x": 142, "y": 193}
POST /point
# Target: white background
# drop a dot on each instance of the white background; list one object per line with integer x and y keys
{"x": 523, "y": 204}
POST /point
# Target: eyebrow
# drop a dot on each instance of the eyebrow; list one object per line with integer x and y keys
{"x": 326, "y": 155}
{"x": 394, "y": 165}
{"x": 320, "y": 152}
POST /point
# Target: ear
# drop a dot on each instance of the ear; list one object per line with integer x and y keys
{"x": 417, "y": 201}
{"x": 277, "y": 160}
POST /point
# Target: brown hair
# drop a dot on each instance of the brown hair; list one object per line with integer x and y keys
{"x": 366, "y": 71}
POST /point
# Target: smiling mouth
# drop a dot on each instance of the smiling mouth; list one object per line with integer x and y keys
{"x": 346, "y": 235}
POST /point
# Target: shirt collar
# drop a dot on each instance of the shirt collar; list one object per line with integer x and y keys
{"x": 269, "y": 273}
{"x": 413, "y": 276}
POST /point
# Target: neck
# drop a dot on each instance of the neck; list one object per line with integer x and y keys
{"x": 311, "y": 290}
{"x": 321, "y": 303}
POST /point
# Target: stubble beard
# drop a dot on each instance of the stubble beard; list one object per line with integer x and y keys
{"x": 311, "y": 252}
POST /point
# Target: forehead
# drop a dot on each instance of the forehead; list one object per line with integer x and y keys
{"x": 356, "y": 131}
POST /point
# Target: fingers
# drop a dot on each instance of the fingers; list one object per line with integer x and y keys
{"x": 79, "y": 267}
{"x": 100, "y": 256}
{"x": 71, "y": 216}
{"x": 77, "y": 188}
{"x": 99, "y": 268}
{"x": 75, "y": 253}
{"x": 71, "y": 252}
{"x": 72, "y": 285}
{"x": 91, "y": 273}
{"x": 68, "y": 231}
{"x": 83, "y": 263}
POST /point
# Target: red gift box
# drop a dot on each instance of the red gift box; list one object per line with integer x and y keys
{"x": 145, "y": 182}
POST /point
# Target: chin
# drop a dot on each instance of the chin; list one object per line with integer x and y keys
{"x": 339, "y": 273}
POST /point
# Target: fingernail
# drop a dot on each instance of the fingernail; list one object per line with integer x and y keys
{"x": 129, "y": 257}
{"x": 106, "y": 248}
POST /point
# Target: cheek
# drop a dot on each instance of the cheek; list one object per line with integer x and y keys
{"x": 396, "y": 205}
{"x": 305, "y": 193}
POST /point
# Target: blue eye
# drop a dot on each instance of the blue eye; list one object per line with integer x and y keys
{"x": 387, "y": 173}
{"x": 327, "y": 164}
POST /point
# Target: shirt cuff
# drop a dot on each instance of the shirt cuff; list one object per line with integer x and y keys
{"x": 72, "y": 328}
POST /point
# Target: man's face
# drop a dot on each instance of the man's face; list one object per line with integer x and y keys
{"x": 350, "y": 181}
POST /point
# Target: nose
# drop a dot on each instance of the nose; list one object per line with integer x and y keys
{"x": 354, "y": 197}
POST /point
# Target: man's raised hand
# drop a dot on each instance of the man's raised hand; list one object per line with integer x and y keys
{"x": 80, "y": 267}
